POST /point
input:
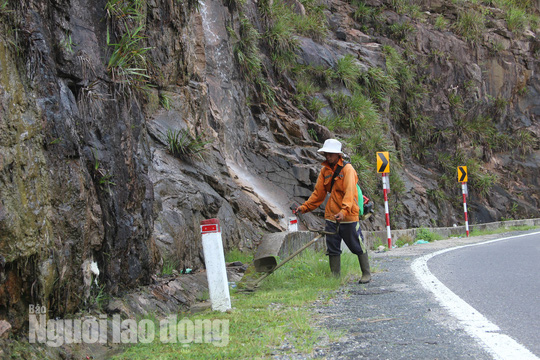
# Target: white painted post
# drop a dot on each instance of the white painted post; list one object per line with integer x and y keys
{"x": 465, "y": 193}
{"x": 293, "y": 224}
{"x": 386, "y": 188}
{"x": 214, "y": 259}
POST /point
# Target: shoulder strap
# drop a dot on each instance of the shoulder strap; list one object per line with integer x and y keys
{"x": 336, "y": 173}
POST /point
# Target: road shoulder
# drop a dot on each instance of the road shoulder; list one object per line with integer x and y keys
{"x": 394, "y": 317}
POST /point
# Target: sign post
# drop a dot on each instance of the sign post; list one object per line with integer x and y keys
{"x": 293, "y": 224}
{"x": 462, "y": 178}
{"x": 214, "y": 259}
{"x": 383, "y": 166}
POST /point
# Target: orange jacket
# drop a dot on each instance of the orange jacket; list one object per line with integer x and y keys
{"x": 344, "y": 195}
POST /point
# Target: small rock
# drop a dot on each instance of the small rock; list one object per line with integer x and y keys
{"x": 235, "y": 263}
{"x": 2, "y": 213}
{"x": 4, "y": 329}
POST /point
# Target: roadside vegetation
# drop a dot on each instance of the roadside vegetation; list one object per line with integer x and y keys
{"x": 425, "y": 234}
{"x": 261, "y": 322}
{"x": 362, "y": 103}
{"x": 502, "y": 230}
{"x": 128, "y": 64}
{"x": 182, "y": 144}
{"x": 475, "y": 135}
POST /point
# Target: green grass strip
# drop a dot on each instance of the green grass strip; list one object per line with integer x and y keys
{"x": 261, "y": 322}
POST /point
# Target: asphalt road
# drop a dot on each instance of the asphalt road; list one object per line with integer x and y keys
{"x": 399, "y": 315}
{"x": 393, "y": 317}
{"x": 501, "y": 281}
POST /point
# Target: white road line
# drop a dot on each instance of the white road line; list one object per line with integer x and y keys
{"x": 500, "y": 346}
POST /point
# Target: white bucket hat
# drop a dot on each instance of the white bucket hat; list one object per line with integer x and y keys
{"x": 331, "y": 146}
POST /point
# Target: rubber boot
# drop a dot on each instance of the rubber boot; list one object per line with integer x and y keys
{"x": 364, "y": 266}
{"x": 335, "y": 264}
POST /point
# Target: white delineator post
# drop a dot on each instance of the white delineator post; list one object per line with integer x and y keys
{"x": 293, "y": 224}
{"x": 214, "y": 259}
{"x": 386, "y": 187}
{"x": 464, "y": 190}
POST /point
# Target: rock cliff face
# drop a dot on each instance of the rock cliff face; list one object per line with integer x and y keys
{"x": 86, "y": 170}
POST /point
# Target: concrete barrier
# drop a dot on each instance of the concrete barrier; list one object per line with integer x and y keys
{"x": 292, "y": 241}
{"x": 371, "y": 237}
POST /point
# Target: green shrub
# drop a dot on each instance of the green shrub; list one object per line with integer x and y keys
{"x": 425, "y": 234}
{"x": 320, "y": 75}
{"x": 380, "y": 85}
{"x": 169, "y": 265}
{"x": 405, "y": 239}
{"x": 347, "y": 71}
{"x": 304, "y": 88}
{"x": 280, "y": 35}
{"x": 483, "y": 182}
{"x": 165, "y": 101}
{"x": 315, "y": 105}
{"x": 470, "y": 24}
{"x": 246, "y": 49}
{"x": 182, "y": 144}
{"x": 445, "y": 161}
{"x": 363, "y": 13}
{"x": 283, "y": 24}
{"x": 247, "y": 54}
{"x": 524, "y": 141}
{"x": 266, "y": 91}
{"x": 400, "y": 31}
{"x": 496, "y": 47}
{"x": 441, "y": 23}
{"x": 3, "y": 7}
{"x": 314, "y": 24}
{"x": 358, "y": 109}
{"x": 534, "y": 21}
{"x": 378, "y": 242}
{"x": 127, "y": 65}
{"x": 398, "y": 187}
{"x": 437, "y": 196}
{"x": 399, "y": 68}
{"x": 237, "y": 255}
{"x": 407, "y": 7}
{"x": 516, "y": 19}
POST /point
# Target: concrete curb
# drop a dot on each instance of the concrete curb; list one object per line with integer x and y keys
{"x": 371, "y": 237}
{"x": 293, "y": 241}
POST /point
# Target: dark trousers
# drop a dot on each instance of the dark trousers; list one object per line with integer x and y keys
{"x": 351, "y": 235}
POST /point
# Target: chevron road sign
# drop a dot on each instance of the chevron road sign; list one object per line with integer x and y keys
{"x": 383, "y": 162}
{"x": 462, "y": 174}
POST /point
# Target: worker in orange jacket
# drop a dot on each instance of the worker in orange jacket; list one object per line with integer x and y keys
{"x": 339, "y": 180}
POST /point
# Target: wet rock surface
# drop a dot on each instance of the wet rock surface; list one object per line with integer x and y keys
{"x": 85, "y": 174}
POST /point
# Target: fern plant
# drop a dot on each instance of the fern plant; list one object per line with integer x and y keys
{"x": 183, "y": 145}
{"x": 127, "y": 65}
{"x": 347, "y": 71}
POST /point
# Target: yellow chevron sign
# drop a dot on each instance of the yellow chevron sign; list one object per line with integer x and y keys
{"x": 462, "y": 174}
{"x": 383, "y": 162}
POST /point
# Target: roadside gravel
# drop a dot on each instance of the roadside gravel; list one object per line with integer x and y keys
{"x": 393, "y": 317}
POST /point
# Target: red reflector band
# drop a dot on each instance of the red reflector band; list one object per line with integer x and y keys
{"x": 210, "y": 225}
{"x": 293, "y": 221}
{"x": 209, "y": 228}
